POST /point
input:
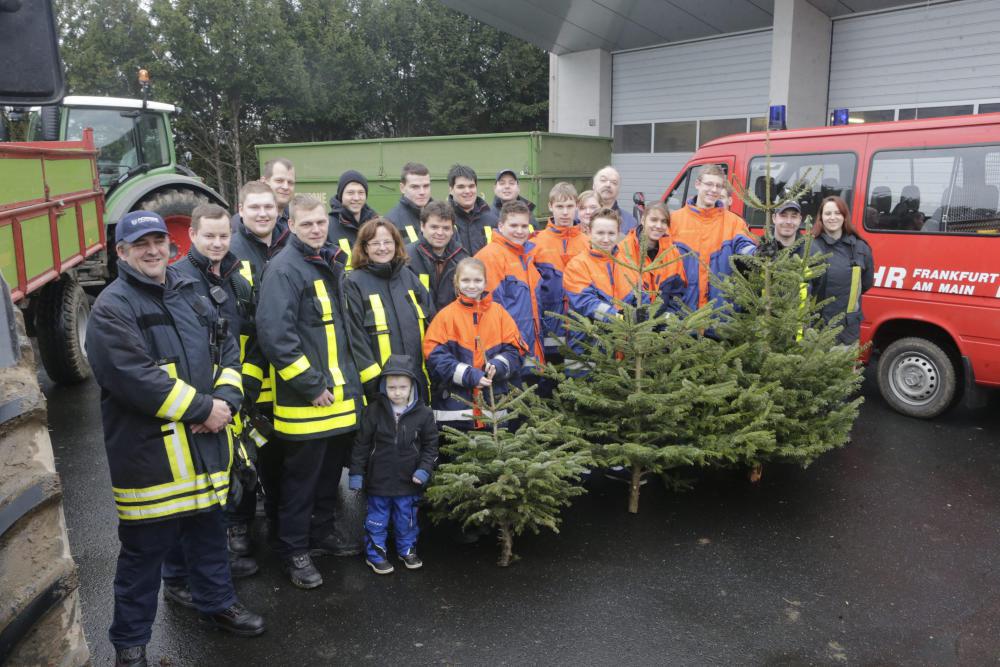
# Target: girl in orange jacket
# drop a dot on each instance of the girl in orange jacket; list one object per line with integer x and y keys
{"x": 471, "y": 345}
{"x": 668, "y": 282}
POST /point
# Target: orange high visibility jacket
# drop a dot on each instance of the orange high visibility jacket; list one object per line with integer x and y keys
{"x": 594, "y": 281}
{"x": 669, "y": 282}
{"x": 463, "y": 336}
{"x": 565, "y": 243}
{"x": 707, "y": 238}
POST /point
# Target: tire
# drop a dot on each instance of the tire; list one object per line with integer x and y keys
{"x": 61, "y": 316}
{"x": 917, "y": 377}
{"x": 175, "y": 206}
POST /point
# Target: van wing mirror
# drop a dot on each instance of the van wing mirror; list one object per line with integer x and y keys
{"x": 29, "y": 49}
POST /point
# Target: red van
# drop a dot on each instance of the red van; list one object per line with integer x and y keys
{"x": 926, "y": 195}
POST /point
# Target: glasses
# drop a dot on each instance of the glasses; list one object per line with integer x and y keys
{"x": 718, "y": 187}
{"x": 381, "y": 244}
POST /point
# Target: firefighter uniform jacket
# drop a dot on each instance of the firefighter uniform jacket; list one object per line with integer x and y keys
{"x": 708, "y": 237}
{"x": 254, "y": 256}
{"x": 462, "y": 338}
{"x": 668, "y": 282}
{"x": 389, "y": 449}
{"x": 516, "y": 284}
{"x": 302, "y": 329}
{"x": 343, "y": 229}
{"x": 436, "y": 272}
{"x": 850, "y": 273}
{"x": 149, "y": 346}
{"x": 406, "y": 217}
{"x": 474, "y": 229}
{"x": 388, "y": 311}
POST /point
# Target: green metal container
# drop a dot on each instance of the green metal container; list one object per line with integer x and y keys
{"x": 541, "y": 159}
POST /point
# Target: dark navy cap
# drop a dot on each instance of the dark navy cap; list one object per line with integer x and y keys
{"x": 137, "y": 224}
{"x": 507, "y": 171}
{"x": 789, "y": 205}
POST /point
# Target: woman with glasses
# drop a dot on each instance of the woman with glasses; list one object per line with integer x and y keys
{"x": 387, "y": 306}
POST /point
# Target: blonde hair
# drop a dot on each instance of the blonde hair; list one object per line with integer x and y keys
{"x": 465, "y": 264}
{"x": 562, "y": 191}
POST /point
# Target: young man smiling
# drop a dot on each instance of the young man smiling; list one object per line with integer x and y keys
{"x": 415, "y": 189}
{"x": 474, "y": 220}
{"x": 434, "y": 257}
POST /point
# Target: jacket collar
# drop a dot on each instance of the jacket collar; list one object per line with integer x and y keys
{"x": 384, "y": 270}
{"x": 326, "y": 255}
{"x": 481, "y": 303}
{"x": 497, "y": 204}
{"x": 405, "y": 201}
{"x": 511, "y": 246}
{"x": 229, "y": 263}
{"x": 347, "y": 218}
{"x": 278, "y": 236}
{"x": 477, "y": 208}
{"x": 567, "y": 232}
{"x": 450, "y": 250}
{"x": 173, "y": 280}
{"x": 597, "y": 254}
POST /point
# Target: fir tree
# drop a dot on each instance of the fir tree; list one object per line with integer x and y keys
{"x": 507, "y": 480}
{"x": 650, "y": 392}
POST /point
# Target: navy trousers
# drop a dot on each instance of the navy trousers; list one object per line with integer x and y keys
{"x": 398, "y": 511}
{"x": 148, "y": 553}
{"x": 310, "y": 480}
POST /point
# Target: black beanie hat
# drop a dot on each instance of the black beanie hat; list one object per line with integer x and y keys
{"x": 348, "y": 177}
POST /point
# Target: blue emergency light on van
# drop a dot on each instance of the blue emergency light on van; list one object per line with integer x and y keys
{"x": 776, "y": 117}
{"x": 841, "y": 117}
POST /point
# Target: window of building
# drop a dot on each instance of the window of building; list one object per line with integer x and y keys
{"x": 632, "y": 138}
{"x": 720, "y": 127}
{"x": 990, "y": 107}
{"x": 935, "y": 190}
{"x": 679, "y": 137}
{"x": 870, "y": 116}
{"x": 821, "y": 175}
{"x": 684, "y": 189}
{"x": 935, "y": 112}
{"x": 758, "y": 123}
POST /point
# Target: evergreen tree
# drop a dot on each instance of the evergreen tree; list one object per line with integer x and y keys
{"x": 507, "y": 480}
{"x": 649, "y": 392}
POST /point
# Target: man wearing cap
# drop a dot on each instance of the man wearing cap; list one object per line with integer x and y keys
{"x": 349, "y": 210}
{"x": 787, "y": 219}
{"x": 508, "y": 188}
{"x": 415, "y": 189}
{"x": 170, "y": 384}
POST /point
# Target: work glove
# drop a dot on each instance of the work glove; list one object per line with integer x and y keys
{"x": 354, "y": 482}
{"x": 421, "y": 476}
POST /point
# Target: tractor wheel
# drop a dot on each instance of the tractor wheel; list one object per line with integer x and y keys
{"x": 175, "y": 206}
{"x": 61, "y": 315}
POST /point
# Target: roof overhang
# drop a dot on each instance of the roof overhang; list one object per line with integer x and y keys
{"x": 568, "y": 26}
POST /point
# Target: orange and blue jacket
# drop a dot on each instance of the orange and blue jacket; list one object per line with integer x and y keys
{"x": 667, "y": 283}
{"x": 555, "y": 246}
{"x": 461, "y": 339}
{"x": 595, "y": 283}
{"x": 516, "y": 284}
{"x": 708, "y": 238}
{"x": 564, "y": 242}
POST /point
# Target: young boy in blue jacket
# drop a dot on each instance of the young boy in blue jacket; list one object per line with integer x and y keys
{"x": 393, "y": 458}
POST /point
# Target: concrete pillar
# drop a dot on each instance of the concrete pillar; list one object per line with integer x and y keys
{"x": 580, "y": 93}
{"x": 800, "y": 62}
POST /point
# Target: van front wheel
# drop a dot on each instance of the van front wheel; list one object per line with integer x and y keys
{"x": 917, "y": 377}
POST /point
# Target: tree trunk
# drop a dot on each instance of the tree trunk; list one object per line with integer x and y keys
{"x": 237, "y": 143}
{"x": 756, "y": 472}
{"x": 506, "y": 545}
{"x": 633, "y": 492}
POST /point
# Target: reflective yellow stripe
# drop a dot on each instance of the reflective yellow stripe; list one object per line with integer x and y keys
{"x": 420, "y": 320}
{"x": 803, "y": 301}
{"x": 246, "y": 271}
{"x": 231, "y": 378}
{"x": 346, "y": 247}
{"x": 244, "y": 339}
{"x": 331, "y": 332}
{"x": 319, "y": 426}
{"x": 253, "y": 371}
{"x": 176, "y": 506}
{"x": 316, "y": 411}
{"x": 267, "y": 388}
{"x": 196, "y": 483}
{"x": 411, "y": 233}
{"x": 853, "y": 303}
{"x": 371, "y": 372}
{"x": 489, "y": 233}
{"x": 381, "y": 328}
{"x": 178, "y": 450}
{"x": 425, "y": 280}
{"x": 177, "y": 401}
{"x": 294, "y": 369}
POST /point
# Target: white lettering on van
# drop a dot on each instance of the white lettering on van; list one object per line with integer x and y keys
{"x": 952, "y": 288}
{"x": 893, "y": 278}
{"x": 925, "y": 286}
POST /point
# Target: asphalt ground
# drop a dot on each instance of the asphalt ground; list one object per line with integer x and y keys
{"x": 884, "y": 552}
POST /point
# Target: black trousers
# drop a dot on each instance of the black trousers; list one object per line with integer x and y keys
{"x": 149, "y": 552}
{"x": 310, "y": 479}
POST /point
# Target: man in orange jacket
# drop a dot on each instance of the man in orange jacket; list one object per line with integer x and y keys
{"x": 708, "y": 235}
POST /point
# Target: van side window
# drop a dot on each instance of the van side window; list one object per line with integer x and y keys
{"x": 935, "y": 190}
{"x": 826, "y": 174}
{"x": 677, "y": 197}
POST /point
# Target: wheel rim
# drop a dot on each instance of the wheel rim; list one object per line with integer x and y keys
{"x": 915, "y": 379}
{"x": 82, "y": 315}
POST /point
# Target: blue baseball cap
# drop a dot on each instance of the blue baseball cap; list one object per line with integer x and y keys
{"x": 508, "y": 171}
{"x": 137, "y": 224}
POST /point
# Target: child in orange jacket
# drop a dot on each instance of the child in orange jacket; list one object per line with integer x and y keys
{"x": 667, "y": 282}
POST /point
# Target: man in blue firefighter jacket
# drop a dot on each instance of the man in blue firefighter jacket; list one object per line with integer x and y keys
{"x": 170, "y": 383}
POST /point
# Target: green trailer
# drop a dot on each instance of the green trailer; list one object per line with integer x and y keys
{"x": 541, "y": 159}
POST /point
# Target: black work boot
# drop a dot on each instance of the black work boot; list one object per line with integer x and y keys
{"x": 242, "y": 566}
{"x": 302, "y": 572}
{"x": 133, "y": 656}
{"x": 239, "y": 539}
{"x": 237, "y": 620}
{"x": 328, "y": 546}
{"x": 178, "y": 593}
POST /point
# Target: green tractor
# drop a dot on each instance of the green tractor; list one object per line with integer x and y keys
{"x": 136, "y": 162}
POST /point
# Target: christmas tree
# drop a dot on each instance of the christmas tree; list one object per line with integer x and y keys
{"x": 648, "y": 391}
{"x": 507, "y": 480}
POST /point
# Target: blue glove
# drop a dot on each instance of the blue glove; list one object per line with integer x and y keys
{"x": 354, "y": 482}
{"x": 420, "y": 477}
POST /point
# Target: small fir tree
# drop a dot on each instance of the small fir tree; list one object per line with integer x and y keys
{"x": 649, "y": 392}
{"x": 510, "y": 481}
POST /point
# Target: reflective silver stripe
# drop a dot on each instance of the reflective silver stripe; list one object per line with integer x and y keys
{"x": 459, "y": 373}
{"x": 530, "y": 362}
{"x": 603, "y": 307}
{"x": 551, "y": 342}
{"x": 459, "y": 415}
{"x": 496, "y": 361}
